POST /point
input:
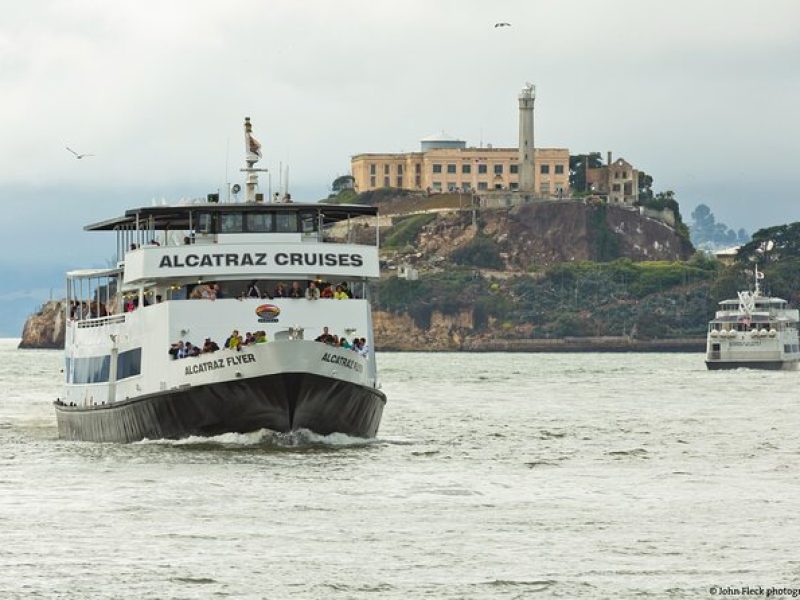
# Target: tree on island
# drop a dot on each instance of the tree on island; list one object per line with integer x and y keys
{"x": 707, "y": 231}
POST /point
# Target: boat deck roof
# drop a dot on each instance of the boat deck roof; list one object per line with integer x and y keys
{"x": 178, "y": 217}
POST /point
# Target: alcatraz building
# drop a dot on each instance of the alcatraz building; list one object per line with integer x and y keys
{"x": 445, "y": 163}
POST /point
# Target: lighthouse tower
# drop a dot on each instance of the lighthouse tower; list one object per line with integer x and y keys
{"x": 527, "y": 172}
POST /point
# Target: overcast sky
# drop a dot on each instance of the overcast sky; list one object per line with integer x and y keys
{"x": 703, "y": 95}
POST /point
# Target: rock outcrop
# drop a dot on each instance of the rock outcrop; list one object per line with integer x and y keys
{"x": 46, "y": 328}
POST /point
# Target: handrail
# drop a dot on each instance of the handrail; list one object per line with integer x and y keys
{"x": 101, "y": 321}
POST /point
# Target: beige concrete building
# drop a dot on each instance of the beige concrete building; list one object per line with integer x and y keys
{"x": 618, "y": 180}
{"x": 448, "y": 165}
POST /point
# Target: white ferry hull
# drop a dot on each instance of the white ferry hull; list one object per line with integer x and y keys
{"x": 281, "y": 386}
{"x": 768, "y": 365}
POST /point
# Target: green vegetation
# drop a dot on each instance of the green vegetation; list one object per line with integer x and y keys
{"x": 621, "y": 297}
{"x": 405, "y": 231}
{"x": 606, "y": 243}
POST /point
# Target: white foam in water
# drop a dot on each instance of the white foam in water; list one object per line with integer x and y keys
{"x": 266, "y": 437}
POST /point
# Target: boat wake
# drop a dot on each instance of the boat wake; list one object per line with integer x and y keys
{"x": 266, "y": 439}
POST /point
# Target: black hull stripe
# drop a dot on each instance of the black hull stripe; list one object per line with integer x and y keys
{"x": 280, "y": 402}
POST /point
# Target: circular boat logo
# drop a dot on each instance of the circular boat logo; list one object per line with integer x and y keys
{"x": 268, "y": 313}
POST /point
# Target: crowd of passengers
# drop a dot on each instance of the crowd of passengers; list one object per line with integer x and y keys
{"x": 235, "y": 341}
{"x": 313, "y": 291}
{"x": 357, "y": 345}
{"x": 212, "y": 291}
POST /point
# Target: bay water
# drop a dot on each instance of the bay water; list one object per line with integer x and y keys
{"x": 492, "y": 476}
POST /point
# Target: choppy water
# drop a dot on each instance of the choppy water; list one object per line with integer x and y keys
{"x": 493, "y": 476}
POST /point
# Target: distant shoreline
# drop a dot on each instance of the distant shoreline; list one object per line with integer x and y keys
{"x": 570, "y": 344}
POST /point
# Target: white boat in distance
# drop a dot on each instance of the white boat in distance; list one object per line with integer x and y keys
{"x": 753, "y": 331}
{"x": 195, "y": 273}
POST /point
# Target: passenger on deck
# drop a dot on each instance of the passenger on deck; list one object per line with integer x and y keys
{"x": 325, "y": 337}
{"x": 252, "y": 290}
{"x": 327, "y": 291}
{"x": 364, "y": 349}
{"x": 312, "y": 291}
{"x": 248, "y": 339}
{"x": 175, "y": 349}
{"x": 210, "y": 346}
{"x": 343, "y": 343}
{"x": 280, "y": 291}
{"x": 234, "y": 342}
{"x": 346, "y": 289}
{"x": 339, "y": 294}
{"x": 261, "y": 337}
{"x": 295, "y": 291}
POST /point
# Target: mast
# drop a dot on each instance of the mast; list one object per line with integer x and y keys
{"x": 252, "y": 149}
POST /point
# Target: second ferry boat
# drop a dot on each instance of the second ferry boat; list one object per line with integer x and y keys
{"x": 224, "y": 317}
{"x": 754, "y": 331}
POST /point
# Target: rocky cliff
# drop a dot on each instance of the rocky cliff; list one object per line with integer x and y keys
{"x": 46, "y": 328}
{"x": 546, "y": 233}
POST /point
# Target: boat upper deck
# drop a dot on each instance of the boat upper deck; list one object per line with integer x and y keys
{"x": 206, "y": 239}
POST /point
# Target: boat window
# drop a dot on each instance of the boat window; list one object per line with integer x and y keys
{"x": 308, "y": 222}
{"x": 259, "y": 222}
{"x": 129, "y": 363}
{"x": 205, "y": 223}
{"x": 230, "y": 223}
{"x": 88, "y": 370}
{"x": 286, "y": 223}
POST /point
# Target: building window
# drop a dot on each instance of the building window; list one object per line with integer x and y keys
{"x": 482, "y": 169}
{"x": 372, "y": 169}
{"x": 498, "y": 169}
{"x": 451, "y": 186}
{"x": 616, "y": 174}
{"x": 624, "y": 174}
{"x": 400, "y": 181}
{"x": 514, "y": 185}
{"x": 385, "y": 169}
{"x": 399, "y": 169}
{"x": 559, "y": 169}
{"x": 544, "y": 187}
{"x": 372, "y": 181}
{"x": 466, "y": 168}
{"x": 615, "y": 187}
{"x": 437, "y": 186}
{"x": 417, "y": 168}
{"x": 437, "y": 168}
{"x": 418, "y": 181}
{"x": 498, "y": 186}
{"x": 465, "y": 186}
{"x": 544, "y": 169}
{"x": 451, "y": 168}
{"x": 513, "y": 169}
{"x": 385, "y": 182}
{"x": 482, "y": 185}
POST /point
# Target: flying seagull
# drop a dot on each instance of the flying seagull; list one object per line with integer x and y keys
{"x": 496, "y": 25}
{"x": 78, "y": 156}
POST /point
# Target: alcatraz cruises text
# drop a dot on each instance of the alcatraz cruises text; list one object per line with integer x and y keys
{"x": 252, "y": 259}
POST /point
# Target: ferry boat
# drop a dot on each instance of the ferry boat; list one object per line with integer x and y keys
{"x": 197, "y": 272}
{"x": 753, "y": 331}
